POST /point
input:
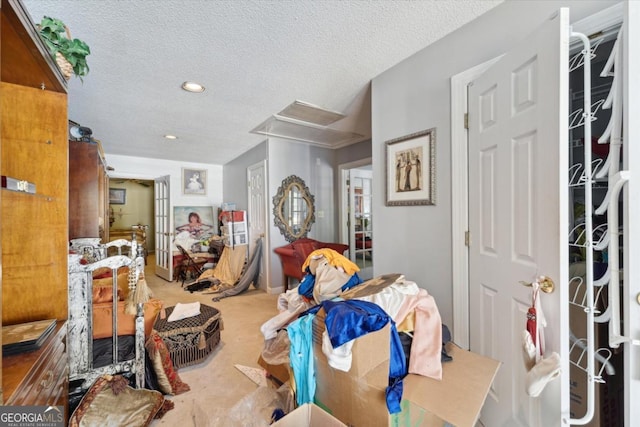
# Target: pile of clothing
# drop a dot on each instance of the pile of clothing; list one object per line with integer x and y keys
{"x": 353, "y": 308}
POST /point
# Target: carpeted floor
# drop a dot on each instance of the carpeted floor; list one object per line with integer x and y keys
{"x": 216, "y": 384}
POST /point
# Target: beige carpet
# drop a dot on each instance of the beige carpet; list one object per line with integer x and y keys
{"x": 216, "y": 385}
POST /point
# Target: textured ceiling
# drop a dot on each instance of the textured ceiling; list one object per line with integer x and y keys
{"x": 254, "y": 57}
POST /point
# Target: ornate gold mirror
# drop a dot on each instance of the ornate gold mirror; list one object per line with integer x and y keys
{"x": 293, "y": 208}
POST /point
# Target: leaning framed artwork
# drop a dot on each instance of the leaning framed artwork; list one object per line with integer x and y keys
{"x": 411, "y": 169}
{"x": 193, "y": 222}
{"x": 194, "y": 181}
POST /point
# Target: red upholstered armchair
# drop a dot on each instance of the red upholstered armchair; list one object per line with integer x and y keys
{"x": 295, "y": 254}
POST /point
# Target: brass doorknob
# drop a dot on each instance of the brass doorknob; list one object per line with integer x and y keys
{"x": 546, "y": 284}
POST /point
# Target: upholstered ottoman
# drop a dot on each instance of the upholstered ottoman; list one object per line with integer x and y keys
{"x": 190, "y": 340}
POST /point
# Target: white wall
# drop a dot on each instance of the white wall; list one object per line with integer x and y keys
{"x": 140, "y": 167}
{"x": 414, "y": 95}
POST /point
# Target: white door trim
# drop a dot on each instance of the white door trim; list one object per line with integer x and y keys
{"x": 162, "y": 227}
{"x": 266, "y": 268}
{"x": 342, "y": 214}
{"x": 460, "y": 202}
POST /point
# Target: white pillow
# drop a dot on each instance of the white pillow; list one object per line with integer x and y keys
{"x": 182, "y": 311}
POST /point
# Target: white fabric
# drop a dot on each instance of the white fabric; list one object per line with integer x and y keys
{"x": 182, "y": 311}
{"x": 329, "y": 281}
{"x": 528, "y": 350}
{"x": 390, "y": 299}
{"x": 290, "y": 304}
{"x": 339, "y": 357}
{"x": 541, "y": 374}
{"x": 290, "y": 300}
{"x": 185, "y": 240}
{"x": 541, "y": 321}
{"x": 540, "y": 370}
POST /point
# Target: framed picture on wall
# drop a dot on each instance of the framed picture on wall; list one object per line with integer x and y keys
{"x": 411, "y": 169}
{"x": 194, "y": 181}
{"x": 117, "y": 196}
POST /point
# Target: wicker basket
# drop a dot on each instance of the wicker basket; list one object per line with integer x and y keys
{"x": 65, "y": 66}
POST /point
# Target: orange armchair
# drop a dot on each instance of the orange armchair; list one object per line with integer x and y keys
{"x": 293, "y": 256}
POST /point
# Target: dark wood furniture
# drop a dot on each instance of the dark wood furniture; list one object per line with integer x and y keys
{"x": 34, "y": 228}
{"x": 88, "y": 191}
{"x": 39, "y": 377}
{"x": 293, "y": 256}
{"x": 200, "y": 257}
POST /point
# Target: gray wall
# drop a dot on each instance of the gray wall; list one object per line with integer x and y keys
{"x": 234, "y": 175}
{"x": 352, "y": 153}
{"x": 414, "y": 95}
{"x": 316, "y": 166}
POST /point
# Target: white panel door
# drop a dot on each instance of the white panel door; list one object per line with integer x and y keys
{"x": 164, "y": 256}
{"x": 518, "y": 114}
{"x": 257, "y": 215}
{"x": 631, "y": 158}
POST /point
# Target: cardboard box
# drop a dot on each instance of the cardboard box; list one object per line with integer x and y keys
{"x": 608, "y": 398}
{"x": 363, "y": 362}
{"x": 231, "y": 216}
{"x": 281, "y": 373}
{"x": 357, "y": 398}
{"x": 308, "y": 415}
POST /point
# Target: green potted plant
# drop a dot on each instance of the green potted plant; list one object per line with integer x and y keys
{"x": 59, "y": 42}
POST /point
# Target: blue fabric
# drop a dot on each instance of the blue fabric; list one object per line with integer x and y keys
{"x": 305, "y": 288}
{"x": 301, "y": 356}
{"x": 350, "y": 319}
{"x": 354, "y": 280}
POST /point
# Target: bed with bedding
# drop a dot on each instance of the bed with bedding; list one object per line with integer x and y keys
{"x": 103, "y": 336}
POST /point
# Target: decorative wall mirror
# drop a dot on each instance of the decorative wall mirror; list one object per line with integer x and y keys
{"x": 293, "y": 208}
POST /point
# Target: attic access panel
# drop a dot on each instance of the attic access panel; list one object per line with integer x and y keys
{"x": 283, "y": 127}
{"x": 309, "y": 113}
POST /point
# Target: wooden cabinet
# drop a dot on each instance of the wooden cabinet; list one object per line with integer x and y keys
{"x": 88, "y": 191}
{"x": 39, "y": 377}
{"x": 33, "y": 227}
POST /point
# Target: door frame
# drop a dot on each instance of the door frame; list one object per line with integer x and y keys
{"x": 460, "y": 201}
{"x": 164, "y": 272}
{"x": 265, "y": 265}
{"x": 459, "y": 173}
{"x": 130, "y": 176}
{"x": 344, "y": 201}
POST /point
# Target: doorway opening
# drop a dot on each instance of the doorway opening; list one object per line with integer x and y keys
{"x": 133, "y": 207}
{"x": 356, "y": 218}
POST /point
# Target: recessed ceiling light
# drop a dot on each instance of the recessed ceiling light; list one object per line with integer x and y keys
{"x": 192, "y": 87}
{"x": 171, "y": 137}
